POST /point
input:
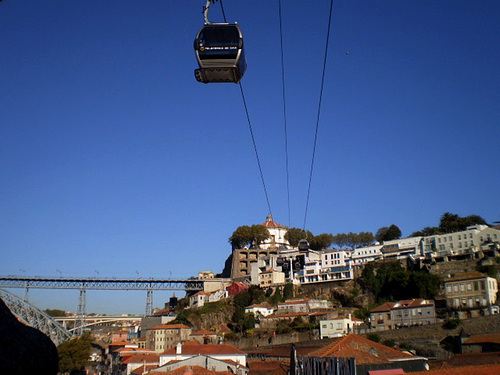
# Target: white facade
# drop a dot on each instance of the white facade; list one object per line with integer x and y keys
{"x": 191, "y": 349}
{"x": 402, "y": 248}
{"x": 217, "y": 295}
{"x": 332, "y": 265}
{"x": 337, "y": 327}
{"x": 263, "y": 309}
{"x": 468, "y": 241}
{"x": 199, "y": 299}
{"x": 363, "y": 255}
{"x": 277, "y": 233}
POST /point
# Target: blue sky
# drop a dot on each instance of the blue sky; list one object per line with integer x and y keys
{"x": 115, "y": 162}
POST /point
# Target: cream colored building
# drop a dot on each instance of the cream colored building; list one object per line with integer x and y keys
{"x": 165, "y": 336}
{"x": 271, "y": 278}
{"x": 468, "y": 242}
{"x": 470, "y": 291}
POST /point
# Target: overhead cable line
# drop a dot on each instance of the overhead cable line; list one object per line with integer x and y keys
{"x": 251, "y": 131}
{"x": 318, "y": 114}
{"x": 284, "y": 112}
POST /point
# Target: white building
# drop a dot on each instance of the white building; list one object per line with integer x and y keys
{"x": 363, "y": 255}
{"x": 277, "y": 233}
{"x": 191, "y": 349}
{"x": 338, "y": 327}
{"x": 403, "y": 247}
{"x": 332, "y": 265}
{"x": 262, "y": 309}
{"x": 467, "y": 242}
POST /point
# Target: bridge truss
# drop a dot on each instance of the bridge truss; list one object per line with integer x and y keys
{"x": 84, "y": 284}
{"x": 99, "y": 283}
{"x": 35, "y": 318}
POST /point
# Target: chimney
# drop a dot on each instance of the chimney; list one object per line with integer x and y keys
{"x": 178, "y": 349}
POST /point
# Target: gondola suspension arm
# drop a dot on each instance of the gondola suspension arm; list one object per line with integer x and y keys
{"x": 206, "y": 8}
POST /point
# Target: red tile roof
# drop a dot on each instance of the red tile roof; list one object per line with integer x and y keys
{"x": 143, "y": 369}
{"x": 491, "y": 338}
{"x": 383, "y": 308}
{"x": 141, "y": 358}
{"x": 412, "y": 303}
{"x": 195, "y": 348}
{"x": 468, "y": 370}
{"x": 267, "y": 368}
{"x": 264, "y": 305}
{"x": 363, "y": 350}
{"x": 467, "y": 359}
{"x": 191, "y": 370}
{"x": 466, "y": 276}
{"x": 394, "y": 371}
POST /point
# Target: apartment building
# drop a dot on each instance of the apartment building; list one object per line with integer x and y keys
{"x": 470, "y": 291}
{"x": 405, "y": 313}
{"x": 468, "y": 242}
{"x": 271, "y": 278}
{"x": 363, "y": 255}
{"x": 337, "y": 327}
{"x": 303, "y": 305}
{"x": 332, "y": 265}
{"x": 164, "y": 336}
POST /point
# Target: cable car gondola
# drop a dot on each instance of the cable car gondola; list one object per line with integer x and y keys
{"x": 303, "y": 245}
{"x": 220, "y": 54}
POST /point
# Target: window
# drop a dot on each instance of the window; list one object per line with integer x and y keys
{"x": 459, "y": 237}
{"x": 469, "y": 286}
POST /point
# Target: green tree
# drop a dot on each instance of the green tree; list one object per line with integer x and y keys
{"x": 423, "y": 285}
{"x": 366, "y": 238}
{"x": 248, "y": 236}
{"x": 294, "y": 235}
{"x": 340, "y": 239}
{"x": 288, "y": 291}
{"x": 74, "y": 354}
{"x": 241, "y": 237}
{"x": 259, "y": 234}
{"x": 427, "y": 231}
{"x": 321, "y": 241}
{"x": 385, "y": 280}
{"x": 450, "y": 223}
{"x": 55, "y": 312}
{"x": 352, "y": 240}
{"x": 276, "y": 298}
{"x": 388, "y": 233}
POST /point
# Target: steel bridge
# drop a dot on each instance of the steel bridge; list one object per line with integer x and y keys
{"x": 35, "y": 318}
{"x": 84, "y": 284}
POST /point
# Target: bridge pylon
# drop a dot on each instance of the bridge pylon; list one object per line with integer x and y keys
{"x": 81, "y": 312}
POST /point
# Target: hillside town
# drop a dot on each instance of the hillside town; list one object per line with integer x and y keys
{"x": 278, "y": 295}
